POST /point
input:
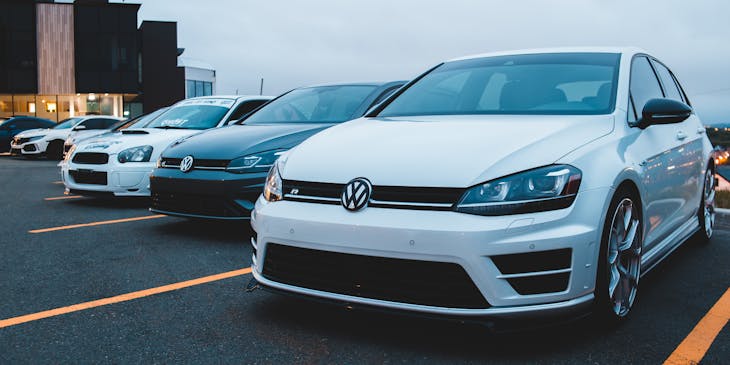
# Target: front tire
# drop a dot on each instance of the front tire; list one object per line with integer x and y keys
{"x": 706, "y": 213}
{"x": 619, "y": 265}
{"x": 55, "y": 150}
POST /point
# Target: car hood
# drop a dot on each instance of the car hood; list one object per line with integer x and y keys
{"x": 59, "y": 133}
{"x": 440, "y": 151}
{"x": 81, "y": 135}
{"x": 115, "y": 142}
{"x": 238, "y": 140}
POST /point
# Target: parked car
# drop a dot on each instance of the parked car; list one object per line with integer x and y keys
{"x": 524, "y": 184}
{"x": 219, "y": 174}
{"x": 138, "y": 122}
{"x": 121, "y": 163}
{"x": 49, "y": 141}
{"x": 10, "y": 127}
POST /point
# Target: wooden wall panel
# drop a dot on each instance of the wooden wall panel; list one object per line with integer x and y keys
{"x": 55, "y": 27}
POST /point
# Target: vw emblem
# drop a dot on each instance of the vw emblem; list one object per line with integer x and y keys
{"x": 356, "y": 194}
{"x": 186, "y": 164}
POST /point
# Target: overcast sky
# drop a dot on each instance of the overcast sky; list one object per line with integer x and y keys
{"x": 298, "y": 43}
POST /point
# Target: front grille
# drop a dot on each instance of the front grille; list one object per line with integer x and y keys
{"x": 203, "y": 164}
{"x": 541, "y": 268}
{"x": 88, "y": 177}
{"x": 398, "y": 280}
{"x": 203, "y": 205}
{"x": 382, "y": 196}
{"x": 29, "y": 148}
{"x": 91, "y": 158}
{"x": 22, "y": 140}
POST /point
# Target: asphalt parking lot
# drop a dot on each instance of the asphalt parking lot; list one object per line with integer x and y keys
{"x": 141, "y": 290}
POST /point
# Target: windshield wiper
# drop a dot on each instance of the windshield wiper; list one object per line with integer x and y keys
{"x": 170, "y": 127}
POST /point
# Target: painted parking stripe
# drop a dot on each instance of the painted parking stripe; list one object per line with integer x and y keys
{"x": 121, "y": 298}
{"x": 58, "y": 182}
{"x": 92, "y": 224}
{"x": 695, "y": 346}
{"x": 63, "y": 197}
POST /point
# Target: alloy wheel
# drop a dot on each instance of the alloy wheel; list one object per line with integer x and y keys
{"x": 624, "y": 257}
{"x": 708, "y": 197}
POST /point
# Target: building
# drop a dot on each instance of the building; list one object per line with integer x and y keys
{"x": 87, "y": 57}
{"x": 199, "y": 77}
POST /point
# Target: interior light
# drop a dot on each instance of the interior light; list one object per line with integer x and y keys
{"x": 31, "y": 107}
{"x": 91, "y": 97}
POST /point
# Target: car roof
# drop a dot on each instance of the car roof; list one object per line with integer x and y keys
{"x": 622, "y": 50}
{"x": 84, "y": 117}
{"x": 370, "y": 83}
{"x": 230, "y": 97}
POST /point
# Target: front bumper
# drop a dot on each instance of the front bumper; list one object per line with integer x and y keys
{"x": 34, "y": 148}
{"x": 205, "y": 194}
{"x": 129, "y": 179}
{"x": 475, "y": 243}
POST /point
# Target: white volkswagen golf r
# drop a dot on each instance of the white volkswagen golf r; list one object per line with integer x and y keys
{"x": 500, "y": 186}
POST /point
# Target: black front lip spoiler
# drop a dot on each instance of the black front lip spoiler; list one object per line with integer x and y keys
{"x": 199, "y": 216}
{"x": 494, "y": 324}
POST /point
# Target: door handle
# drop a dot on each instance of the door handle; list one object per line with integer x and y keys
{"x": 681, "y": 136}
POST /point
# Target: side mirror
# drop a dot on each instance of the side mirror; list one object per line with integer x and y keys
{"x": 663, "y": 111}
{"x": 12, "y": 127}
{"x": 79, "y": 128}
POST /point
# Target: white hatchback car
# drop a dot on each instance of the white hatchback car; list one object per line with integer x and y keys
{"x": 49, "y": 142}
{"x": 121, "y": 163}
{"x": 500, "y": 186}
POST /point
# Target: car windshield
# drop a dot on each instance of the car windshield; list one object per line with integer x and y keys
{"x": 138, "y": 122}
{"x": 321, "y": 104}
{"x": 67, "y": 123}
{"x": 193, "y": 114}
{"x": 555, "y": 83}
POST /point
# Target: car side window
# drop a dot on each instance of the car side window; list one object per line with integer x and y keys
{"x": 95, "y": 123}
{"x": 106, "y": 123}
{"x": 670, "y": 87}
{"x": 245, "y": 108}
{"x": 644, "y": 85}
{"x": 24, "y": 124}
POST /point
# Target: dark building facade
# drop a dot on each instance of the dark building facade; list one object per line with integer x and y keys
{"x": 59, "y": 60}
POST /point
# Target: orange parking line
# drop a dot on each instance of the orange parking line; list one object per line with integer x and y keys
{"x": 113, "y": 221}
{"x": 695, "y": 346}
{"x": 63, "y": 197}
{"x": 120, "y": 298}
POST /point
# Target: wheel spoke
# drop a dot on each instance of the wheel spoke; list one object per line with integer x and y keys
{"x": 614, "y": 281}
{"x": 630, "y": 236}
{"x": 627, "y": 213}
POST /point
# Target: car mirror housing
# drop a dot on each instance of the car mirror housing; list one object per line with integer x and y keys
{"x": 79, "y": 128}
{"x": 663, "y": 111}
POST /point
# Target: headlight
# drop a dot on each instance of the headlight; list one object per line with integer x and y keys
{"x": 546, "y": 188}
{"x": 135, "y": 154}
{"x": 259, "y": 161}
{"x": 31, "y": 139}
{"x": 273, "y": 185}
